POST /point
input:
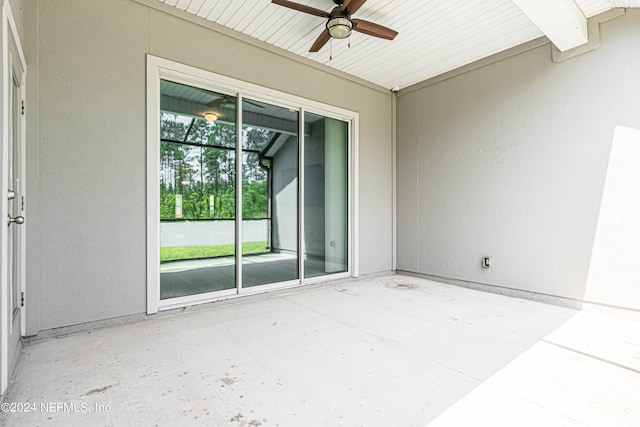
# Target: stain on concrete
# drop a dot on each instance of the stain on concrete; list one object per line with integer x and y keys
{"x": 400, "y": 286}
{"x": 99, "y": 390}
{"x": 227, "y": 380}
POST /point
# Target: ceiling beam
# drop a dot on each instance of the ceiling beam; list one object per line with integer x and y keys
{"x": 561, "y": 21}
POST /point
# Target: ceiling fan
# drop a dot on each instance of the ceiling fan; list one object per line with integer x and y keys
{"x": 228, "y": 100}
{"x": 339, "y": 23}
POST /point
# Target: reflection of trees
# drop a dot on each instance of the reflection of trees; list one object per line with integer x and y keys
{"x": 255, "y": 178}
{"x": 200, "y": 172}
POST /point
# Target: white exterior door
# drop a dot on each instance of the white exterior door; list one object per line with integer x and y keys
{"x": 12, "y": 266}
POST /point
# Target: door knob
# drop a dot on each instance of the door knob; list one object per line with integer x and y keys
{"x": 17, "y": 220}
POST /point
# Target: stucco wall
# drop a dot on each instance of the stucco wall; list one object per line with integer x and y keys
{"x": 88, "y": 146}
{"x": 510, "y": 161}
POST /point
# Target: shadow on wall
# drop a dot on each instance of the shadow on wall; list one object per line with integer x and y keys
{"x": 614, "y": 269}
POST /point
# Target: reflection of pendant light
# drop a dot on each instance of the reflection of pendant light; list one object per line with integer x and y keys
{"x": 211, "y": 117}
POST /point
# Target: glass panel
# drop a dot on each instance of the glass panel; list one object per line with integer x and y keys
{"x": 197, "y": 191}
{"x": 325, "y": 196}
{"x": 269, "y": 194}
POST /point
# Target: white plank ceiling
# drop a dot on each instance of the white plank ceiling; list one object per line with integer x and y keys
{"x": 435, "y": 36}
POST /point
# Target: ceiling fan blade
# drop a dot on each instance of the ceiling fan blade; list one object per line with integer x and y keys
{"x": 375, "y": 30}
{"x": 217, "y": 103}
{"x": 302, "y": 8}
{"x": 320, "y": 41}
{"x": 352, "y": 6}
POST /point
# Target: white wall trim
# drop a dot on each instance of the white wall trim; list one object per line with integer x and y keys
{"x": 394, "y": 178}
{"x": 158, "y": 68}
{"x": 593, "y": 26}
{"x": 32, "y": 172}
{"x": 153, "y": 193}
{"x": 354, "y": 192}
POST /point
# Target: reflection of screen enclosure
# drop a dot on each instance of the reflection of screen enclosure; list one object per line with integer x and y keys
{"x": 198, "y": 156}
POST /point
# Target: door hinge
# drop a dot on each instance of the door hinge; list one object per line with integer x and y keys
{"x": 23, "y": 108}
{"x": 22, "y": 299}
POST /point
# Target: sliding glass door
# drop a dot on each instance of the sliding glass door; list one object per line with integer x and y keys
{"x": 326, "y": 196}
{"x": 197, "y": 191}
{"x": 285, "y": 221}
{"x": 269, "y": 194}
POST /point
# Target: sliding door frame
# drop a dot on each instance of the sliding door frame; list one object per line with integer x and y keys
{"x": 163, "y": 69}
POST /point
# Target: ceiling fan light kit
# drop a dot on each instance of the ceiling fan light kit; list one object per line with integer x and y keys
{"x": 210, "y": 117}
{"x": 339, "y": 27}
{"x": 339, "y": 23}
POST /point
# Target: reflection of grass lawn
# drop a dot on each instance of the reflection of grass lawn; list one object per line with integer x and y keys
{"x": 174, "y": 253}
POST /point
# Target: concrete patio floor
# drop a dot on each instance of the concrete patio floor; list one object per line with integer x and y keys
{"x": 392, "y": 351}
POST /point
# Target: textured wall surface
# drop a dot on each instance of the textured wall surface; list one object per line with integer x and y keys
{"x": 88, "y": 146}
{"x": 510, "y": 160}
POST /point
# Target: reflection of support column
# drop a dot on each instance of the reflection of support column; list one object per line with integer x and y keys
{"x": 178, "y": 205}
{"x": 335, "y": 196}
{"x": 269, "y": 214}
